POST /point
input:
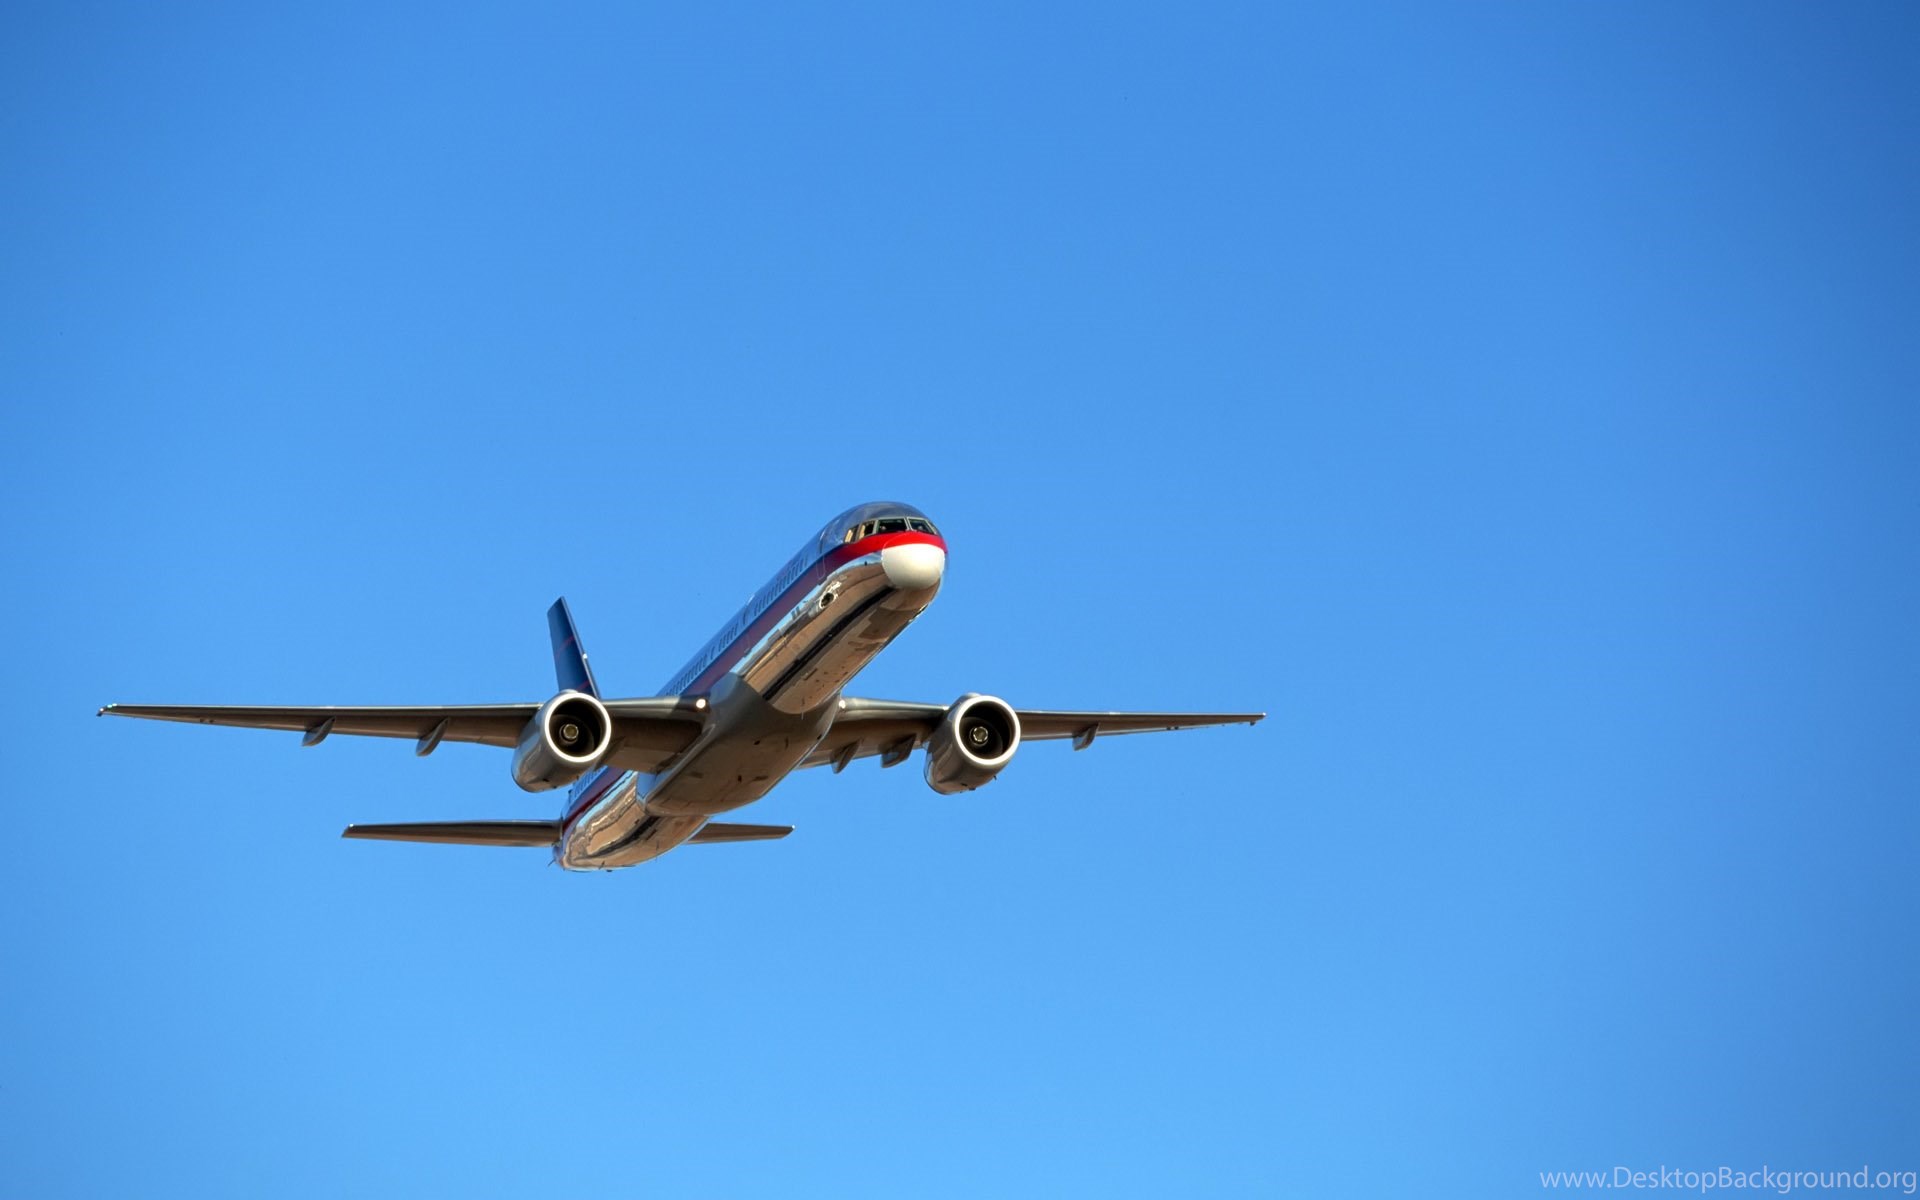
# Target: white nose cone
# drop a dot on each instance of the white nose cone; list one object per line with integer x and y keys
{"x": 913, "y": 567}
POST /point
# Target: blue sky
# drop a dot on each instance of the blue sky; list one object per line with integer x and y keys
{"x": 1517, "y": 401}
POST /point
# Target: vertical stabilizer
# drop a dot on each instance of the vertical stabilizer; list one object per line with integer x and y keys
{"x": 569, "y": 657}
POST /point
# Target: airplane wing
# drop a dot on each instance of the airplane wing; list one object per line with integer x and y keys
{"x": 895, "y": 727}
{"x": 647, "y": 733}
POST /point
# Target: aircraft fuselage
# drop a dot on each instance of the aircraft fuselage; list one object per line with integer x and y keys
{"x": 770, "y": 681}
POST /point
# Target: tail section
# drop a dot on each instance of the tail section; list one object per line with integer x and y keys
{"x": 464, "y": 833}
{"x": 536, "y": 833}
{"x": 569, "y": 658}
{"x": 716, "y": 831}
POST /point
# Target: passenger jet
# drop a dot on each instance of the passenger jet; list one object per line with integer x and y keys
{"x": 762, "y": 698}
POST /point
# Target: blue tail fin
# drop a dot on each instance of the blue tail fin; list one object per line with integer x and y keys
{"x": 569, "y": 659}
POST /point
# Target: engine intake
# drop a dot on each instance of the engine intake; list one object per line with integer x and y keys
{"x": 972, "y": 743}
{"x": 567, "y": 738}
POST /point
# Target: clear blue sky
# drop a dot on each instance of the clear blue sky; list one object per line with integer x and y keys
{"x": 1517, "y": 401}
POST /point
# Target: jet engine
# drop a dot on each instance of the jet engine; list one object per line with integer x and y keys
{"x": 972, "y": 743}
{"x": 567, "y": 738}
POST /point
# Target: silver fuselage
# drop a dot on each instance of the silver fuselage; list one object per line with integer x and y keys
{"x": 767, "y": 686}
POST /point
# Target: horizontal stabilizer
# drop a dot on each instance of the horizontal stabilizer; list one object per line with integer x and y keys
{"x": 463, "y": 833}
{"x": 718, "y": 831}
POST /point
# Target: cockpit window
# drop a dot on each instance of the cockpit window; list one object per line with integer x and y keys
{"x": 888, "y": 525}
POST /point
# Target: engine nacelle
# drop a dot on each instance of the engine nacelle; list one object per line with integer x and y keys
{"x": 972, "y": 743}
{"x": 567, "y": 738}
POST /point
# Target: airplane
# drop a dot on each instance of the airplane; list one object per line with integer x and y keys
{"x": 761, "y": 699}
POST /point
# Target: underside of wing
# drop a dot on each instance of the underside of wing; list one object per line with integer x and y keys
{"x": 894, "y": 727}
{"x": 486, "y": 724}
{"x": 1043, "y": 725}
{"x": 647, "y": 732}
